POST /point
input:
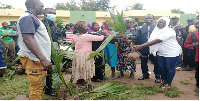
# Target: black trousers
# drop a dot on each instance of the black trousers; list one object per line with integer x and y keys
{"x": 99, "y": 68}
{"x": 197, "y": 73}
{"x": 185, "y": 56}
{"x": 48, "y": 81}
{"x": 191, "y": 57}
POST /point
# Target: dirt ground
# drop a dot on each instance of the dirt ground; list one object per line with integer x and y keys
{"x": 187, "y": 76}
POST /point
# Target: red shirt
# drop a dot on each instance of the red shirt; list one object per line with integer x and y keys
{"x": 189, "y": 44}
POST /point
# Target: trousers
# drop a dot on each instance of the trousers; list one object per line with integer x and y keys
{"x": 35, "y": 77}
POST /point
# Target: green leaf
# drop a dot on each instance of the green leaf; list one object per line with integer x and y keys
{"x": 67, "y": 52}
{"x": 113, "y": 25}
{"x": 112, "y": 15}
{"x": 102, "y": 46}
{"x": 56, "y": 81}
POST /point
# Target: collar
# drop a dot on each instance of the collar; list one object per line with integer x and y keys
{"x": 32, "y": 13}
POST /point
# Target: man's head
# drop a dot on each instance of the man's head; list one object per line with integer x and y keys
{"x": 35, "y": 6}
{"x": 149, "y": 18}
{"x": 128, "y": 22}
{"x": 196, "y": 24}
{"x": 50, "y": 14}
{"x": 49, "y": 11}
{"x": 5, "y": 25}
{"x": 190, "y": 21}
{"x": 174, "y": 20}
{"x": 67, "y": 26}
{"x": 10, "y": 26}
{"x": 197, "y": 18}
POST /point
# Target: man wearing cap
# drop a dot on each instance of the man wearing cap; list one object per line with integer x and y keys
{"x": 188, "y": 54}
{"x": 180, "y": 31}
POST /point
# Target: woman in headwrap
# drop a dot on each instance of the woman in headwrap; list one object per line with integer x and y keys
{"x": 99, "y": 67}
{"x": 163, "y": 43}
{"x": 124, "y": 63}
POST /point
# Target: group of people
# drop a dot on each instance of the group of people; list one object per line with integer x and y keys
{"x": 161, "y": 42}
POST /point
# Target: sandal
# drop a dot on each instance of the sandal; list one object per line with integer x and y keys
{"x": 166, "y": 87}
{"x": 114, "y": 76}
{"x": 120, "y": 76}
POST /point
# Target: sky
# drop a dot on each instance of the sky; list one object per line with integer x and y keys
{"x": 188, "y": 6}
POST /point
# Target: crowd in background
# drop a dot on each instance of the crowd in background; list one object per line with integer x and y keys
{"x": 167, "y": 44}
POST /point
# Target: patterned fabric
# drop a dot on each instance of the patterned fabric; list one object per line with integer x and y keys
{"x": 179, "y": 38}
{"x": 124, "y": 63}
{"x": 82, "y": 69}
{"x": 2, "y": 59}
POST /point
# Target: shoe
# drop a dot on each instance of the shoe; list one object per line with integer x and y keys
{"x": 50, "y": 92}
{"x": 187, "y": 69}
{"x": 90, "y": 87}
{"x": 166, "y": 87}
{"x": 178, "y": 68}
{"x": 157, "y": 81}
{"x": 83, "y": 89}
{"x": 197, "y": 89}
{"x": 142, "y": 78}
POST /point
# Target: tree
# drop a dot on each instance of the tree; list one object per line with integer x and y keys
{"x": 71, "y": 6}
{"x": 177, "y": 11}
{"x": 4, "y": 6}
{"x": 137, "y": 6}
{"x": 95, "y": 5}
{"x": 104, "y": 5}
{"x": 89, "y": 6}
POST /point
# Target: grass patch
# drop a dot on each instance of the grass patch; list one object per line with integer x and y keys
{"x": 17, "y": 86}
{"x": 184, "y": 82}
{"x": 173, "y": 92}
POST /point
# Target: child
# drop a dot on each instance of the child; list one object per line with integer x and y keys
{"x": 124, "y": 63}
{"x": 193, "y": 41}
{"x": 82, "y": 69}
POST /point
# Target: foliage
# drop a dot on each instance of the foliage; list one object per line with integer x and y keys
{"x": 177, "y": 11}
{"x": 17, "y": 86}
{"x": 118, "y": 27}
{"x": 89, "y": 6}
{"x": 60, "y": 23}
{"x": 57, "y": 58}
{"x": 93, "y": 5}
{"x": 14, "y": 62}
{"x": 109, "y": 88}
{"x": 137, "y": 6}
{"x": 71, "y": 6}
{"x": 11, "y": 73}
{"x": 5, "y": 6}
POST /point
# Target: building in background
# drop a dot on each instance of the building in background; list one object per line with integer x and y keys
{"x": 11, "y": 16}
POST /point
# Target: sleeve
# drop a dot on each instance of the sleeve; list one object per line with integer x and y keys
{"x": 95, "y": 37}
{"x": 188, "y": 42}
{"x": 28, "y": 25}
{"x": 135, "y": 35}
{"x": 167, "y": 35}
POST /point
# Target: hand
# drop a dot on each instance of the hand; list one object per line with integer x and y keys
{"x": 137, "y": 47}
{"x": 46, "y": 64}
{"x": 61, "y": 44}
{"x": 5, "y": 34}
